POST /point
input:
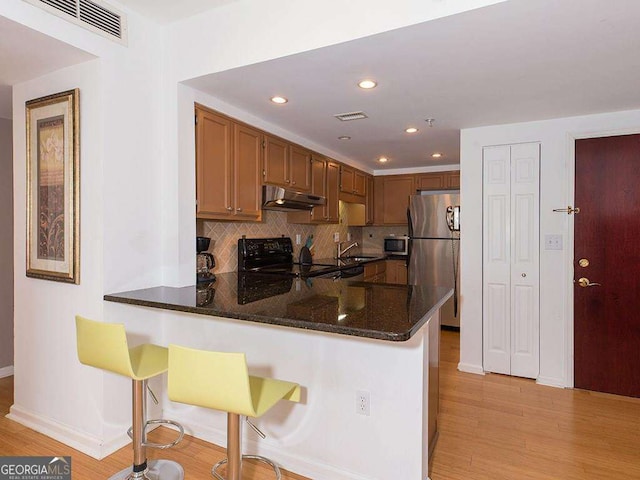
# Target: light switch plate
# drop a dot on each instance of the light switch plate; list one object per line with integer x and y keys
{"x": 336, "y": 237}
{"x": 553, "y": 242}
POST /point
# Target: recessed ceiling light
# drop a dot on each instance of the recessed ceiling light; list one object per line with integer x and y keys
{"x": 436, "y": 155}
{"x": 411, "y": 130}
{"x": 279, "y": 100}
{"x": 383, "y": 159}
{"x": 367, "y": 84}
{"x": 344, "y": 137}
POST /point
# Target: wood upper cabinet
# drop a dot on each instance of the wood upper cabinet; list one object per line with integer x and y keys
{"x": 333, "y": 190}
{"x": 369, "y": 203}
{"x": 438, "y": 180}
{"x": 276, "y": 161}
{"x": 325, "y": 180}
{"x": 430, "y": 181}
{"x": 453, "y": 180}
{"x": 300, "y": 168}
{"x": 286, "y": 165}
{"x": 396, "y": 190}
{"x": 353, "y": 181}
{"x": 227, "y": 156}
{"x": 247, "y": 155}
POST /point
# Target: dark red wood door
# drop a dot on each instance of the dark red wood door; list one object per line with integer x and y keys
{"x": 607, "y": 237}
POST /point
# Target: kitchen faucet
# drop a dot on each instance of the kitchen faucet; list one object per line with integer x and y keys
{"x": 340, "y": 252}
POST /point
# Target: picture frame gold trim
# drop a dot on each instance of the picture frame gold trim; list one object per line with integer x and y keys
{"x": 53, "y": 187}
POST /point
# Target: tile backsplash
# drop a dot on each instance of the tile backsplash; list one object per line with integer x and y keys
{"x": 224, "y": 237}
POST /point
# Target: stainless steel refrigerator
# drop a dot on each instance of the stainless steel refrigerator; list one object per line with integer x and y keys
{"x": 434, "y": 245}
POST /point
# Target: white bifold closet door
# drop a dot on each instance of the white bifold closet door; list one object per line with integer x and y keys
{"x": 511, "y": 262}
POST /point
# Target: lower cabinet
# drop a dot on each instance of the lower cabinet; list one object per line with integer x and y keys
{"x": 396, "y": 272}
{"x": 375, "y": 271}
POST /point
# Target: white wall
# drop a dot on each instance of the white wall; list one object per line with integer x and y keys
{"x": 556, "y": 270}
{"x": 121, "y": 214}
{"x": 6, "y": 248}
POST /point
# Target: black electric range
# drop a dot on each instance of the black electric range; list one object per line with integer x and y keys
{"x": 274, "y": 256}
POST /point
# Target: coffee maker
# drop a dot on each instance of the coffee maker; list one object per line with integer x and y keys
{"x": 204, "y": 261}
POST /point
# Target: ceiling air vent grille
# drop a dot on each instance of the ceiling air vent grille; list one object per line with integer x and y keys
{"x": 67, "y": 6}
{"x": 346, "y": 117}
{"x": 92, "y": 14}
{"x": 99, "y": 17}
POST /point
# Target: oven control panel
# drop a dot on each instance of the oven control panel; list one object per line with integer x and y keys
{"x": 261, "y": 252}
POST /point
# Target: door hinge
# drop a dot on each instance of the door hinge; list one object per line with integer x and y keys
{"x": 264, "y": 173}
{"x": 196, "y": 119}
{"x": 264, "y": 144}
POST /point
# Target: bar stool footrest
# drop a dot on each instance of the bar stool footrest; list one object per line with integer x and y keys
{"x": 158, "y": 470}
{"x": 259, "y": 458}
{"x": 160, "y": 446}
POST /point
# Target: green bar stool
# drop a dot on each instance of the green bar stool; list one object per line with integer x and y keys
{"x": 221, "y": 381}
{"x": 104, "y": 345}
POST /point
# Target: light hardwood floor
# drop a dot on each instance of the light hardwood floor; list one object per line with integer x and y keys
{"x": 491, "y": 427}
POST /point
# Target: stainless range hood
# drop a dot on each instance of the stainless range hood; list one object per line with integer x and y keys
{"x": 278, "y": 198}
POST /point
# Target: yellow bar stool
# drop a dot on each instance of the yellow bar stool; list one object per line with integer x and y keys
{"x": 104, "y": 345}
{"x": 221, "y": 381}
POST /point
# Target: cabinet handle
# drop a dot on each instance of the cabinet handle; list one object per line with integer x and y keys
{"x": 238, "y": 209}
{"x": 287, "y": 181}
{"x": 293, "y": 183}
{"x": 229, "y": 208}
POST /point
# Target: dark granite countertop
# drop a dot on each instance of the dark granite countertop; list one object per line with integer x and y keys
{"x": 371, "y": 310}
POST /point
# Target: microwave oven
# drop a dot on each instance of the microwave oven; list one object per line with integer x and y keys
{"x": 396, "y": 245}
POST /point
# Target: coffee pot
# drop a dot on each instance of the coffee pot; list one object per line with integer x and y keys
{"x": 204, "y": 261}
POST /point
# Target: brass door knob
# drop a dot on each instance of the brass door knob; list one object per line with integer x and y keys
{"x": 584, "y": 282}
{"x": 583, "y": 262}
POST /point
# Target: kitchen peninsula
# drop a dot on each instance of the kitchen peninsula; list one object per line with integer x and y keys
{"x": 339, "y": 339}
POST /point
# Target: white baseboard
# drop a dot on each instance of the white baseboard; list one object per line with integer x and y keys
{"x": 6, "y": 371}
{"x": 551, "y": 382}
{"x": 88, "y": 444}
{"x": 470, "y": 368}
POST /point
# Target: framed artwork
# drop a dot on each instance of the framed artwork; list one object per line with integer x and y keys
{"x": 53, "y": 196}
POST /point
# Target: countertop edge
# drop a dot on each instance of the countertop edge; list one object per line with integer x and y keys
{"x": 285, "y": 322}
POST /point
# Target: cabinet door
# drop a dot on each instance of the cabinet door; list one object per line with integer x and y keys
{"x": 453, "y": 180}
{"x": 430, "y": 181}
{"x": 369, "y": 202}
{"x": 346, "y": 179}
{"x": 333, "y": 190}
{"x": 299, "y": 168}
{"x": 359, "y": 183}
{"x": 397, "y": 190}
{"x": 214, "y": 165}
{"x": 247, "y": 153}
{"x": 276, "y": 161}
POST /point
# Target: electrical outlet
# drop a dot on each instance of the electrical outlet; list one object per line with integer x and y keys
{"x": 553, "y": 242}
{"x": 336, "y": 237}
{"x": 298, "y": 239}
{"x": 363, "y": 403}
{"x": 348, "y": 236}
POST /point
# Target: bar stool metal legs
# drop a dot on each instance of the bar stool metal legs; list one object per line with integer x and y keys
{"x": 142, "y": 469}
{"x": 234, "y": 456}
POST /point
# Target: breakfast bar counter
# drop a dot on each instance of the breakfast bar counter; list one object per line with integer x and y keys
{"x": 342, "y": 340}
{"x": 371, "y": 310}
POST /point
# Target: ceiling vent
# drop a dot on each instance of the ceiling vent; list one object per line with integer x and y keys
{"x": 346, "y": 117}
{"x": 94, "y": 15}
